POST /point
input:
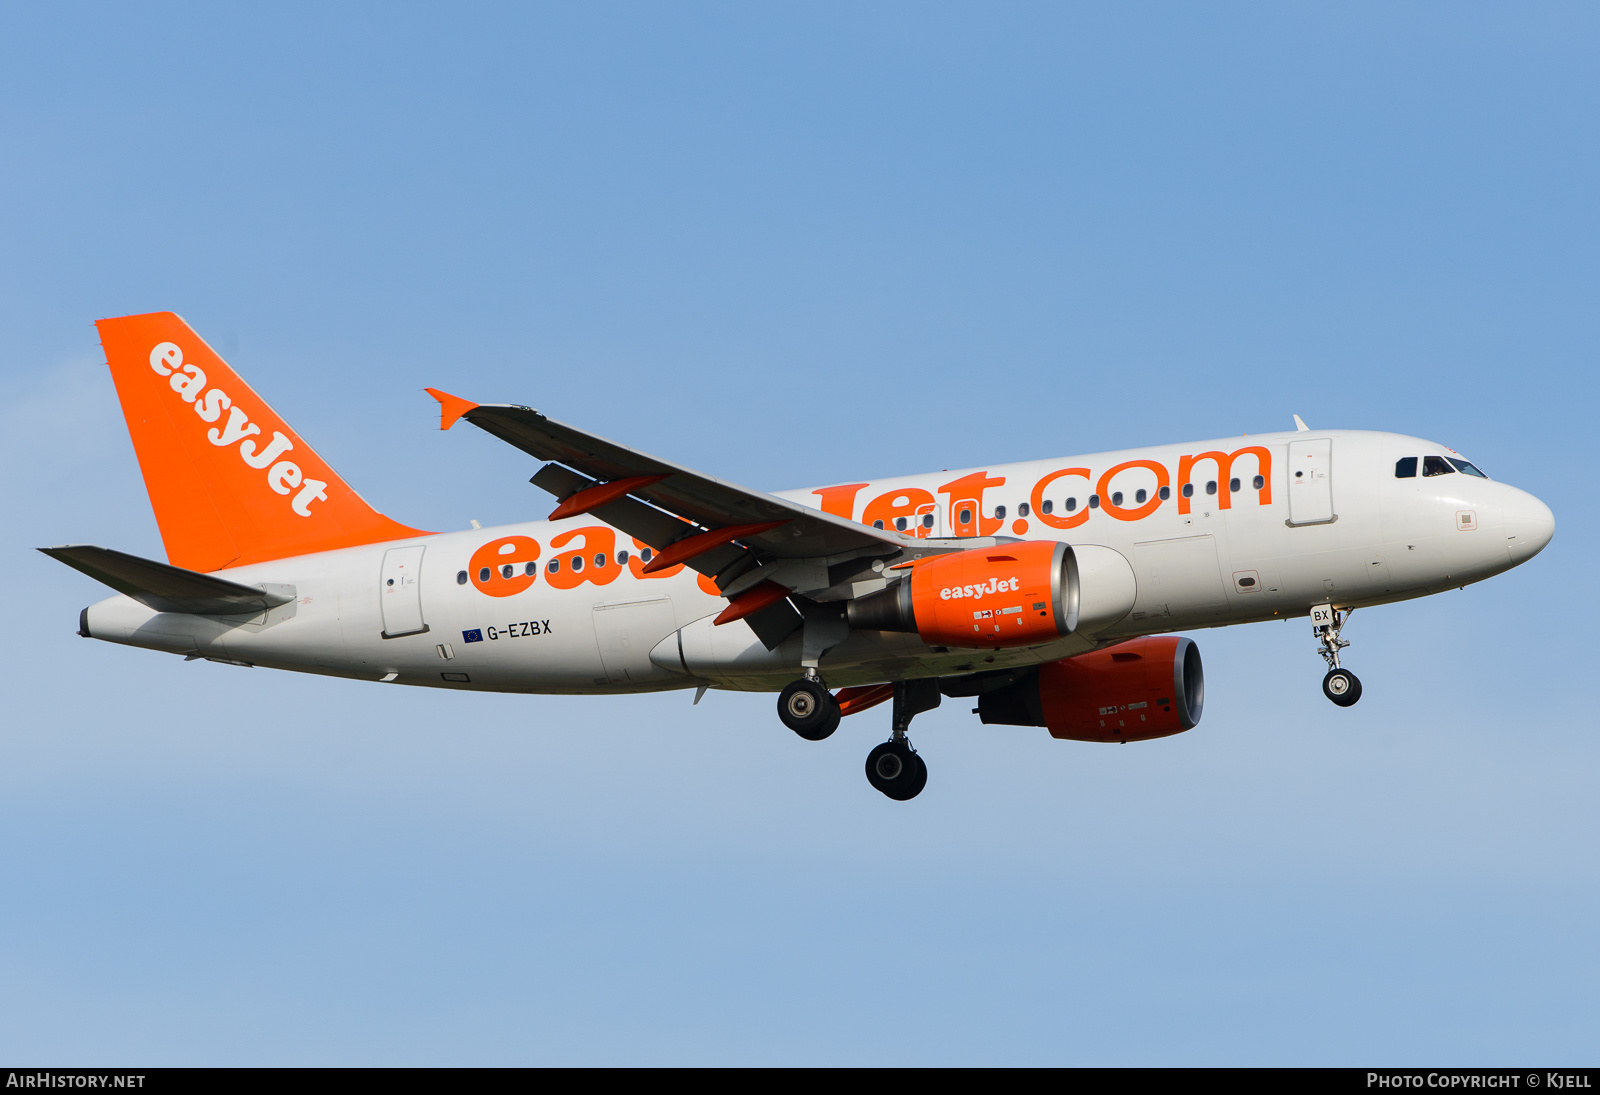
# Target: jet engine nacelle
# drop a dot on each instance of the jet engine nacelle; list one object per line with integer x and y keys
{"x": 1018, "y": 594}
{"x": 1147, "y": 688}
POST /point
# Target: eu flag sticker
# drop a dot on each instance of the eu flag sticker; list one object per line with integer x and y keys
{"x": 473, "y": 636}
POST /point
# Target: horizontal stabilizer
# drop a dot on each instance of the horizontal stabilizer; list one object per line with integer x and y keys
{"x": 168, "y": 588}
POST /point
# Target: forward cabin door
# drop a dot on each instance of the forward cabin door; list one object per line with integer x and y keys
{"x": 1310, "y": 481}
{"x": 400, "y": 591}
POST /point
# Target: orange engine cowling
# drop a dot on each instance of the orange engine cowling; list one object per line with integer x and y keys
{"x": 1147, "y": 688}
{"x": 1012, "y": 595}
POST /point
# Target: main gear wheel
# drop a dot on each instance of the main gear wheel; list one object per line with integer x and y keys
{"x": 809, "y": 709}
{"x": 895, "y": 769}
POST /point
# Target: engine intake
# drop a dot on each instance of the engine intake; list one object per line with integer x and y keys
{"x": 1147, "y": 688}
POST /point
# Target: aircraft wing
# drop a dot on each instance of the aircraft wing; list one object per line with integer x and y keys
{"x": 677, "y": 510}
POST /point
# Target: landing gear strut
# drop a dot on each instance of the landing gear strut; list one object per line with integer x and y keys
{"x": 1340, "y": 685}
{"x": 894, "y": 767}
{"x": 809, "y": 709}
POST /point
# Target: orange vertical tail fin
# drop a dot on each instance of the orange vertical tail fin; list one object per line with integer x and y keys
{"x": 230, "y": 482}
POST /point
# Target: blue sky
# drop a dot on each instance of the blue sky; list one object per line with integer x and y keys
{"x": 794, "y": 244}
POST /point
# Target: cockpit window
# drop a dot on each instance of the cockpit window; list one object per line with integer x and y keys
{"x": 1467, "y": 468}
{"x": 1405, "y": 467}
{"x": 1436, "y": 465}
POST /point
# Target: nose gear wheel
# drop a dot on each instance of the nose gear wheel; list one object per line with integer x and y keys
{"x": 1340, "y": 685}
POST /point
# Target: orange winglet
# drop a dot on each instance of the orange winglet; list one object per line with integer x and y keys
{"x": 451, "y": 407}
{"x": 592, "y": 498}
{"x": 751, "y": 601}
{"x": 692, "y": 546}
{"x": 853, "y": 700}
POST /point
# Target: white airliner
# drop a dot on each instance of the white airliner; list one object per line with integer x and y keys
{"x": 1046, "y": 591}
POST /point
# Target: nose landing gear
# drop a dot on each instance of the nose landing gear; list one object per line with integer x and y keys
{"x": 1340, "y": 685}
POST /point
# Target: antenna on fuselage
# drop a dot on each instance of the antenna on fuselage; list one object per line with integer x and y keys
{"x": 1301, "y": 426}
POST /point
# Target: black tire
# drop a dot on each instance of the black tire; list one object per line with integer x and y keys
{"x": 809, "y": 710}
{"x": 919, "y": 777}
{"x": 896, "y": 771}
{"x": 1342, "y": 687}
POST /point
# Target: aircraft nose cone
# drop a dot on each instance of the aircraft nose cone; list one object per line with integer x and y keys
{"x": 1529, "y": 526}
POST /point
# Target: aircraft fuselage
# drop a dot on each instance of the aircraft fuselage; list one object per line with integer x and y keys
{"x": 1219, "y": 532}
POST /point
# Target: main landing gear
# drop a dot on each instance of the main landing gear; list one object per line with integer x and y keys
{"x": 1340, "y": 685}
{"x": 894, "y": 768}
{"x": 809, "y": 709}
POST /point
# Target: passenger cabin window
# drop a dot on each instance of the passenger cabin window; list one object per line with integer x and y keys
{"x": 1188, "y": 490}
{"x": 1165, "y": 493}
{"x": 927, "y": 520}
{"x": 1140, "y": 495}
{"x": 599, "y": 558}
{"x": 1094, "y": 501}
{"x": 1022, "y": 510}
{"x": 555, "y": 565}
{"x": 577, "y": 563}
{"x": 1211, "y": 486}
{"x": 1466, "y": 468}
{"x": 622, "y": 558}
{"x": 999, "y": 513}
{"x": 531, "y": 568}
{"x": 965, "y": 517}
{"x": 646, "y": 554}
{"x": 507, "y": 570}
{"x": 461, "y": 578}
{"x": 1116, "y": 498}
{"x": 483, "y": 575}
{"x": 1436, "y": 465}
{"x": 1405, "y": 467}
{"x": 1258, "y": 482}
{"x": 1233, "y": 484}
{"x": 1047, "y": 506}
{"x": 1072, "y": 504}
{"x": 900, "y": 523}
